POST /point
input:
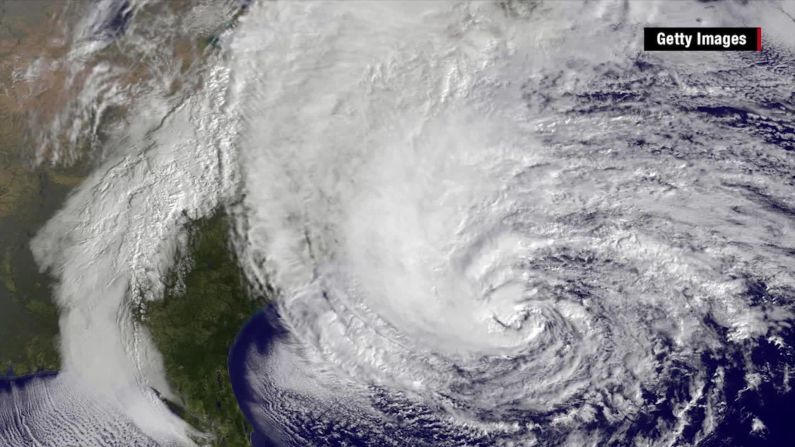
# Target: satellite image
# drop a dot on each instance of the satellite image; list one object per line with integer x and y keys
{"x": 514, "y": 223}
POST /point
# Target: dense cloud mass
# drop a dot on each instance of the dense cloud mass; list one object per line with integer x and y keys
{"x": 481, "y": 224}
{"x": 505, "y": 225}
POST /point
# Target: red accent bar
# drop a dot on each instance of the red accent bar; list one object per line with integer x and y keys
{"x": 759, "y": 39}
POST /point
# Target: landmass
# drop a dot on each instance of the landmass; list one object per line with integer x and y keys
{"x": 29, "y": 195}
{"x": 193, "y": 326}
{"x": 206, "y": 302}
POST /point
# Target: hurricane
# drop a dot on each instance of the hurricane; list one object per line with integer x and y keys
{"x": 476, "y": 223}
{"x": 479, "y": 233}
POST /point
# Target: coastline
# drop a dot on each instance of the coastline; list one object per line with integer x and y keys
{"x": 207, "y": 284}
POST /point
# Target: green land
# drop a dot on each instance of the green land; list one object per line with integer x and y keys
{"x": 28, "y": 316}
{"x": 29, "y": 196}
{"x": 195, "y": 324}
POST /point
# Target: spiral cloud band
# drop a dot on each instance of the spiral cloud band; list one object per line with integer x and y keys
{"x": 480, "y": 233}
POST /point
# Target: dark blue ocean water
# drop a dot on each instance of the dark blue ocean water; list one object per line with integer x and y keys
{"x": 10, "y": 381}
{"x": 259, "y": 334}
